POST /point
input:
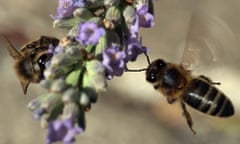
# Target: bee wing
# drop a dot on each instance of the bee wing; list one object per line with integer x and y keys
{"x": 24, "y": 85}
{"x": 12, "y": 50}
{"x": 207, "y": 40}
{"x": 16, "y": 55}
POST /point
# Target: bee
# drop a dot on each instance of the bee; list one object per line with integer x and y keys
{"x": 177, "y": 83}
{"x": 129, "y": 1}
{"x": 31, "y": 59}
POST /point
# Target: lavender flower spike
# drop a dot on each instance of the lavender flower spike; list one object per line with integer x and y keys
{"x": 90, "y": 33}
{"x": 64, "y": 131}
{"x": 114, "y": 61}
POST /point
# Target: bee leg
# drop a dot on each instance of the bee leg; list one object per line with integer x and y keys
{"x": 171, "y": 100}
{"x": 215, "y": 83}
{"x": 188, "y": 117}
{"x": 209, "y": 80}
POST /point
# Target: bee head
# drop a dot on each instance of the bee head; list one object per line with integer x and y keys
{"x": 154, "y": 69}
{"x": 27, "y": 71}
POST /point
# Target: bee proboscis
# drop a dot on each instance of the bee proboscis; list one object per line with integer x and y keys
{"x": 31, "y": 59}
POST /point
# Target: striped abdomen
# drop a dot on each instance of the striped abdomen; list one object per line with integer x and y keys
{"x": 204, "y": 97}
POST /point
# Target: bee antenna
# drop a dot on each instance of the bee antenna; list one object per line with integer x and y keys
{"x": 8, "y": 41}
{"x": 11, "y": 49}
{"x": 135, "y": 70}
{"x": 142, "y": 69}
{"x": 148, "y": 58}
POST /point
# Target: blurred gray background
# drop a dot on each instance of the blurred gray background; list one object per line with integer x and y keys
{"x": 131, "y": 111}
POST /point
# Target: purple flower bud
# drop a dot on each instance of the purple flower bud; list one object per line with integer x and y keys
{"x": 65, "y": 9}
{"x": 79, "y": 3}
{"x": 146, "y": 19}
{"x": 62, "y": 130}
{"x": 134, "y": 28}
{"x": 89, "y": 33}
{"x": 114, "y": 61}
{"x": 58, "y": 49}
{"x": 34, "y": 104}
{"x": 134, "y": 48}
{"x": 142, "y": 19}
{"x": 38, "y": 113}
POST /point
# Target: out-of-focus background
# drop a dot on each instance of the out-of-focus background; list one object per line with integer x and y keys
{"x": 131, "y": 111}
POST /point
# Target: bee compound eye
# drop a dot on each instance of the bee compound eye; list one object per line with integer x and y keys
{"x": 42, "y": 61}
{"x": 151, "y": 77}
{"x": 159, "y": 64}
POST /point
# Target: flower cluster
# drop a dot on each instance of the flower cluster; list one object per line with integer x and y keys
{"x": 103, "y": 36}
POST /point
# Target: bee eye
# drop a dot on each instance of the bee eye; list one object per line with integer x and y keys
{"x": 159, "y": 64}
{"x": 151, "y": 77}
{"x": 42, "y": 61}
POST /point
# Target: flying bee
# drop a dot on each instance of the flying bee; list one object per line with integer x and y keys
{"x": 31, "y": 59}
{"x": 176, "y": 83}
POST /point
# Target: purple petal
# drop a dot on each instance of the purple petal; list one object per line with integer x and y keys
{"x": 89, "y": 33}
{"x": 134, "y": 49}
{"x": 79, "y": 3}
{"x": 134, "y": 28}
{"x": 62, "y": 130}
{"x": 37, "y": 114}
{"x": 71, "y": 134}
{"x": 142, "y": 9}
{"x": 65, "y": 9}
{"x": 146, "y": 20}
{"x": 114, "y": 61}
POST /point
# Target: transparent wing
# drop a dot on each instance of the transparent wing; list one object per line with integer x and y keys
{"x": 11, "y": 49}
{"x": 208, "y": 40}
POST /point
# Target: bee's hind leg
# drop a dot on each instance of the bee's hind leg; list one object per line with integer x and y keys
{"x": 188, "y": 117}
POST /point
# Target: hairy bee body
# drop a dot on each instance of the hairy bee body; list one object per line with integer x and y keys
{"x": 177, "y": 83}
{"x": 206, "y": 98}
{"x": 31, "y": 59}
